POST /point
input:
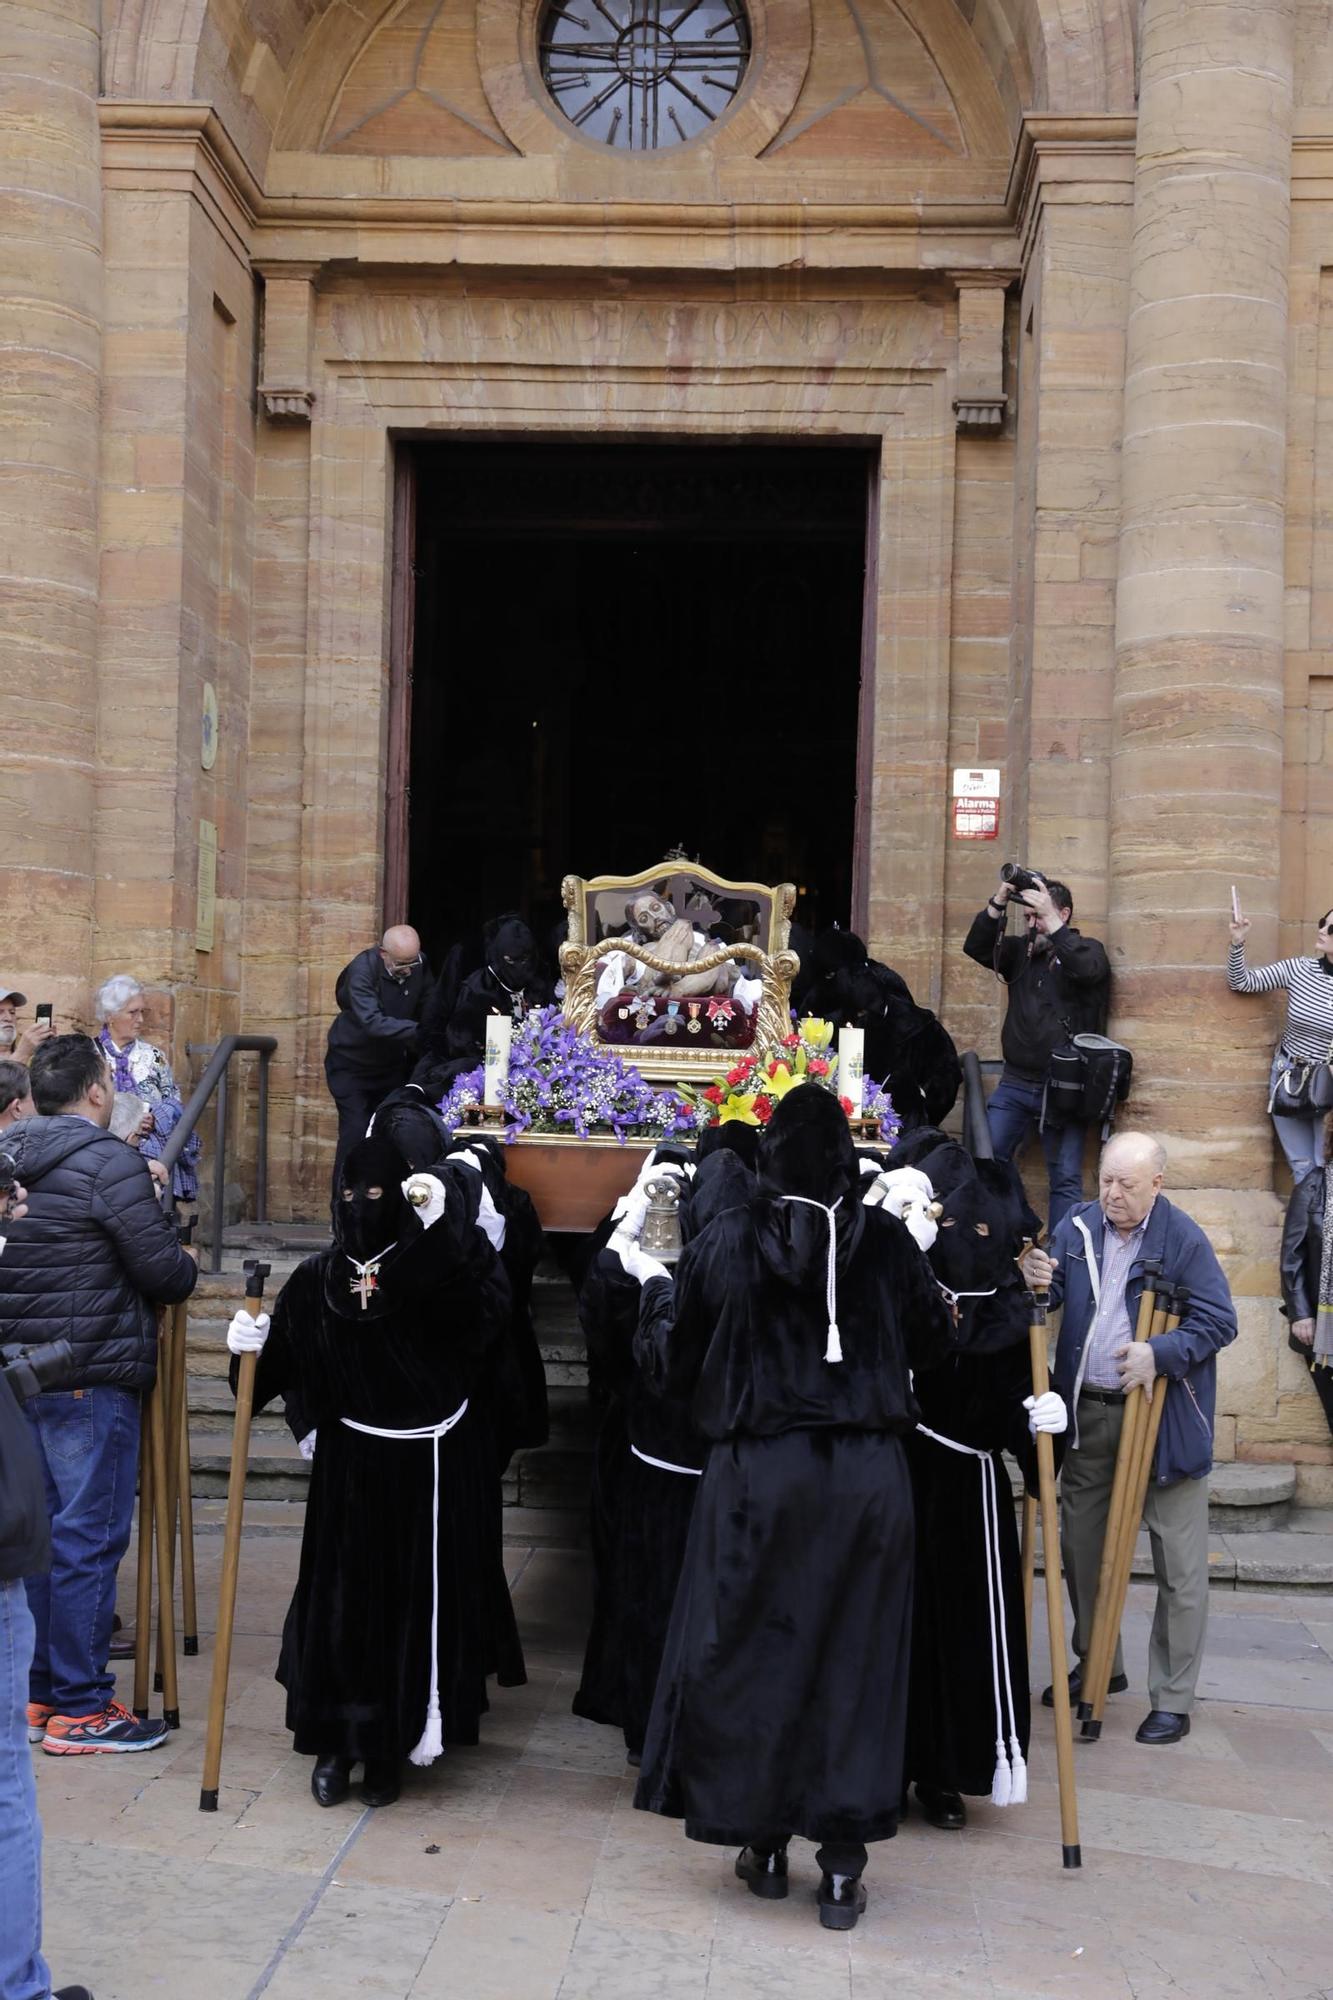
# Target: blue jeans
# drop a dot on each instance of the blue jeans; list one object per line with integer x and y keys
{"x": 1301, "y": 1139}
{"x": 1012, "y": 1115}
{"x": 23, "y": 1971}
{"x": 89, "y": 1442}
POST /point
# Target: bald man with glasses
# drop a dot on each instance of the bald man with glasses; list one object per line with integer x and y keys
{"x": 381, "y": 995}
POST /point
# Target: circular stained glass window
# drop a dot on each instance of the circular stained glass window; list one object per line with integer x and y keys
{"x": 643, "y": 74}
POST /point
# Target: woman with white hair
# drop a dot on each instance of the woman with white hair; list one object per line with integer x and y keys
{"x": 139, "y": 1067}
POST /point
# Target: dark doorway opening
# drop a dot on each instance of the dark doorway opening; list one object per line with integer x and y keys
{"x": 611, "y": 650}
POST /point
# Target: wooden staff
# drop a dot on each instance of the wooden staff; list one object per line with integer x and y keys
{"x": 143, "y": 1595}
{"x": 1100, "y": 1653}
{"x": 164, "y": 1503}
{"x": 189, "y": 1600}
{"x": 158, "y": 1405}
{"x": 1170, "y": 1310}
{"x": 255, "y": 1274}
{"x": 1029, "y": 1557}
{"x": 1055, "y": 1618}
{"x": 181, "y": 1499}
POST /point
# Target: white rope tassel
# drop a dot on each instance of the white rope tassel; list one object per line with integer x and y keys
{"x": 1009, "y": 1785}
{"x": 431, "y": 1742}
{"x": 833, "y": 1348}
{"x": 1001, "y": 1785}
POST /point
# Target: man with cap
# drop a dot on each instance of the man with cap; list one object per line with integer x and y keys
{"x": 401, "y": 1609}
{"x": 782, "y": 1699}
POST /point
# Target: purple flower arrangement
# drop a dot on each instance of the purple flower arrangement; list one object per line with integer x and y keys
{"x": 559, "y": 1081}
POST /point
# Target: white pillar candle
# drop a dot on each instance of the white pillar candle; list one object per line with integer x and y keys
{"x": 499, "y": 1033}
{"x": 852, "y": 1067}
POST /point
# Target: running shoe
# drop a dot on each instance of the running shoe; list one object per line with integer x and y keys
{"x": 39, "y": 1714}
{"x": 92, "y": 1735}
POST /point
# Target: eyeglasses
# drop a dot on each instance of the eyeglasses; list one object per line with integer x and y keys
{"x": 1326, "y": 930}
{"x": 403, "y": 964}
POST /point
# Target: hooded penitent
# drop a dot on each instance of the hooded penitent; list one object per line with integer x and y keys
{"x": 906, "y": 1047}
{"x": 511, "y": 981}
{"x": 765, "y": 1721}
{"x": 400, "y": 1609}
{"x": 968, "y": 1716}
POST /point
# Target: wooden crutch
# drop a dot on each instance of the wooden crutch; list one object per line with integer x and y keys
{"x": 143, "y": 1594}
{"x": 1171, "y": 1309}
{"x": 255, "y": 1274}
{"x": 1055, "y": 1617}
{"x": 1124, "y": 1461}
{"x": 163, "y": 1500}
{"x": 1029, "y": 1557}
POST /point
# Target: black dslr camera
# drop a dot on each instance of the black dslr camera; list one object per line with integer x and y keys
{"x": 1020, "y": 878}
{"x": 31, "y": 1371}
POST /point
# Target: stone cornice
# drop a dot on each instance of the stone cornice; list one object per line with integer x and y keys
{"x": 152, "y": 144}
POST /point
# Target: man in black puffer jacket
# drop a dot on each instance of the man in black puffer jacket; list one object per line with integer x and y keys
{"x": 89, "y": 1262}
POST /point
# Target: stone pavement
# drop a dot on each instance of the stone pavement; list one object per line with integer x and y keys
{"x": 520, "y": 1871}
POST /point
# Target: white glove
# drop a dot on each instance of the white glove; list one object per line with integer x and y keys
{"x": 306, "y": 1445}
{"x": 629, "y": 1212}
{"x": 467, "y": 1158}
{"x": 636, "y": 1263}
{"x": 432, "y": 1208}
{"x": 1046, "y": 1413}
{"x": 490, "y": 1221}
{"x": 895, "y": 1187}
{"x": 246, "y": 1335}
{"x": 649, "y": 1172}
{"x": 868, "y": 1166}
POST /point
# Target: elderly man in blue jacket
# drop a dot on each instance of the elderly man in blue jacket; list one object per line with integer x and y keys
{"x": 1096, "y": 1270}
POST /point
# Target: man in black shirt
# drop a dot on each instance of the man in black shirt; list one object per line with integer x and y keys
{"x": 381, "y": 997}
{"x": 1059, "y": 984}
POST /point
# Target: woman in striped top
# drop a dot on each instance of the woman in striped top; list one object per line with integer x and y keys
{"x": 1308, "y": 1033}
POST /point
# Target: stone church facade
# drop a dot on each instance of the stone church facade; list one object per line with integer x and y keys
{"x": 1059, "y": 263}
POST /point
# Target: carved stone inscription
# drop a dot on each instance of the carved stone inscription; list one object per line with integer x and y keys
{"x": 811, "y": 334}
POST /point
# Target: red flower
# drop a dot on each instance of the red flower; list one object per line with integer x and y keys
{"x": 763, "y": 1109}
{"x": 847, "y": 1105}
{"x": 713, "y": 1094}
{"x": 817, "y": 1066}
{"x": 773, "y": 1069}
{"x": 791, "y": 1041}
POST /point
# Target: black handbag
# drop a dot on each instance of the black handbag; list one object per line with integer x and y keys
{"x": 1303, "y": 1089}
{"x": 1086, "y": 1077}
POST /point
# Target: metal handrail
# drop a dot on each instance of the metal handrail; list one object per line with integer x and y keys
{"x": 976, "y": 1132}
{"x": 215, "y": 1078}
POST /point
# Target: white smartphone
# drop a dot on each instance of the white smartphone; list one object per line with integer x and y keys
{"x": 1236, "y": 917}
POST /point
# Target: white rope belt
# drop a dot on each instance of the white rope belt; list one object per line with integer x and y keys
{"x": 432, "y": 1736}
{"x": 665, "y": 1465}
{"x": 1009, "y": 1786}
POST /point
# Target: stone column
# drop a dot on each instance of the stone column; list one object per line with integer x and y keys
{"x": 1197, "y": 730}
{"x": 50, "y": 331}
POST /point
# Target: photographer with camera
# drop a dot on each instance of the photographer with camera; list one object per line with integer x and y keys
{"x": 88, "y": 1264}
{"x": 25, "y": 1551}
{"x": 1059, "y": 985}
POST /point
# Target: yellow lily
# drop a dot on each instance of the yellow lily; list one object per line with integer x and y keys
{"x": 783, "y": 1079}
{"x": 818, "y": 1034}
{"x": 738, "y": 1108}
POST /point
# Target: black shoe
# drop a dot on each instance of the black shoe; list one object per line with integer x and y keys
{"x": 329, "y": 1779}
{"x": 941, "y": 1808}
{"x": 72, "y": 1993}
{"x": 842, "y": 1899}
{"x": 1161, "y": 1726}
{"x": 1116, "y": 1685}
{"x": 121, "y": 1648}
{"x": 382, "y": 1782}
{"x": 763, "y": 1874}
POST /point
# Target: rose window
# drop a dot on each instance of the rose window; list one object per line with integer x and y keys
{"x": 643, "y": 74}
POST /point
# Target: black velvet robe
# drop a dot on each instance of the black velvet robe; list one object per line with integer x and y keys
{"x": 781, "y": 1702}
{"x": 355, "y": 1657}
{"x": 640, "y": 1511}
{"x": 513, "y": 1379}
{"x": 976, "y": 1398}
